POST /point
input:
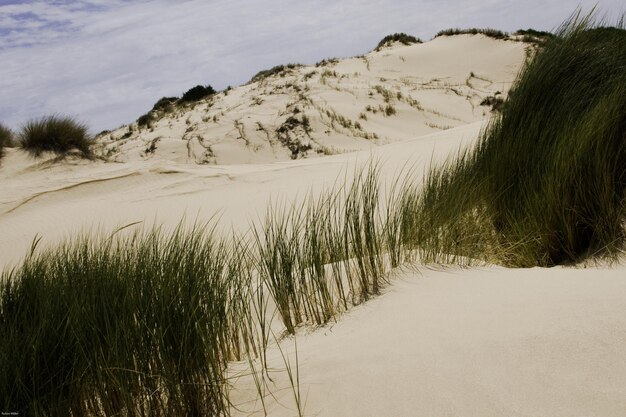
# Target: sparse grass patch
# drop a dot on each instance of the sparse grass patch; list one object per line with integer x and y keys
{"x": 326, "y": 62}
{"x": 58, "y": 134}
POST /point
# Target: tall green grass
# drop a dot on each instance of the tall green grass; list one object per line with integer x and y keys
{"x": 135, "y": 324}
{"x": 548, "y": 178}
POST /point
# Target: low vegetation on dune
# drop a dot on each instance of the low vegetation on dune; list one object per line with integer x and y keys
{"x": 6, "y": 138}
{"x": 197, "y": 93}
{"x": 403, "y": 38}
{"x": 539, "y": 37}
{"x": 168, "y": 104}
{"x": 278, "y": 70}
{"x": 492, "y": 33}
{"x": 145, "y": 323}
{"x": 58, "y": 134}
{"x": 548, "y": 177}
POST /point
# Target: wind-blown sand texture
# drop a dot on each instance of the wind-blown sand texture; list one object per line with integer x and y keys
{"x": 478, "y": 342}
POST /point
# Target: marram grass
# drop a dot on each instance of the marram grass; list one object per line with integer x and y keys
{"x": 546, "y": 185}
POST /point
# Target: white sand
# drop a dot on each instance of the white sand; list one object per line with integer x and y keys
{"x": 477, "y": 342}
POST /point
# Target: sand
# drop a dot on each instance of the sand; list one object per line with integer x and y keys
{"x": 477, "y": 342}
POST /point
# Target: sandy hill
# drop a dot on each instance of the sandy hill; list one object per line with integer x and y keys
{"x": 396, "y": 93}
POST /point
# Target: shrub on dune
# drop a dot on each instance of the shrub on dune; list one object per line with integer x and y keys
{"x": 58, "y": 134}
{"x": 549, "y": 174}
{"x": 197, "y": 93}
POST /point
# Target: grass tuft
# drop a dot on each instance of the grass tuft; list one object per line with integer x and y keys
{"x": 58, "y": 134}
{"x": 6, "y": 138}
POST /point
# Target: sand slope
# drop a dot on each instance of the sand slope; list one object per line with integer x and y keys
{"x": 479, "y": 342}
{"x": 430, "y": 87}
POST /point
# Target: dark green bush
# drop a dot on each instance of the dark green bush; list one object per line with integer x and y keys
{"x": 492, "y": 33}
{"x": 549, "y": 174}
{"x": 165, "y": 104}
{"x": 403, "y": 38}
{"x": 197, "y": 93}
{"x": 58, "y": 134}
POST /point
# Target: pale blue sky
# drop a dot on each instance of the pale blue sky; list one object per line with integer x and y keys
{"x": 107, "y": 61}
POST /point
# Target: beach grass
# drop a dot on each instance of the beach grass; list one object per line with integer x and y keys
{"x": 58, "y": 134}
{"x": 6, "y": 138}
{"x": 548, "y": 177}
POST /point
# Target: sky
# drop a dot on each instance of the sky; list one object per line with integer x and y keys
{"x": 106, "y": 62}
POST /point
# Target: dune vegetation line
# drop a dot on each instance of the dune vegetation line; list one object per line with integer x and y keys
{"x": 145, "y": 322}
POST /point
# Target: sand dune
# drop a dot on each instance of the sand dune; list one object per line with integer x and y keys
{"x": 478, "y": 342}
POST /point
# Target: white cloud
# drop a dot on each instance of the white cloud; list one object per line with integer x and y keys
{"x": 106, "y": 62}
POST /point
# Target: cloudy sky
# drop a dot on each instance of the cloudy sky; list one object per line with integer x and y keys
{"x": 107, "y": 61}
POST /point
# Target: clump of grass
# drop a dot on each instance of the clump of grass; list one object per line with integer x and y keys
{"x": 197, "y": 93}
{"x": 278, "y": 70}
{"x": 294, "y": 134}
{"x": 403, "y": 38}
{"x": 135, "y": 324}
{"x": 548, "y": 177}
{"x": 58, "y": 134}
{"x": 492, "y": 33}
{"x": 6, "y": 138}
{"x": 389, "y": 110}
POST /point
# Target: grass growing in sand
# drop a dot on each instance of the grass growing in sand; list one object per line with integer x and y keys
{"x": 58, "y": 134}
{"x": 548, "y": 177}
{"x": 6, "y": 138}
{"x": 129, "y": 324}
